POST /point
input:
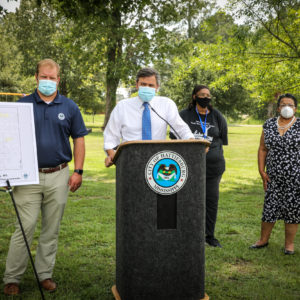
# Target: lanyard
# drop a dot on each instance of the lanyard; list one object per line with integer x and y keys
{"x": 203, "y": 126}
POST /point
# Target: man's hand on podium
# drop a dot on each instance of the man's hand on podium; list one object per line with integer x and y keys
{"x": 109, "y": 159}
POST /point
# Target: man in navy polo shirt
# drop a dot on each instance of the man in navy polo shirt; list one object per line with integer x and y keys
{"x": 56, "y": 119}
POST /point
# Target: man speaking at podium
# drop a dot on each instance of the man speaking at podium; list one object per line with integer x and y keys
{"x": 56, "y": 119}
{"x": 144, "y": 117}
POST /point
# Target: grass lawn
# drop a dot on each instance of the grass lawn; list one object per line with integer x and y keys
{"x": 85, "y": 266}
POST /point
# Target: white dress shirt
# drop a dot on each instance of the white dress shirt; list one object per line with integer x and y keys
{"x": 125, "y": 122}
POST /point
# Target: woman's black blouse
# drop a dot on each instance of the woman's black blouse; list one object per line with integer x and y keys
{"x": 216, "y": 131}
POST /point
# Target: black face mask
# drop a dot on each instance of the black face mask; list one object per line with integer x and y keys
{"x": 203, "y": 102}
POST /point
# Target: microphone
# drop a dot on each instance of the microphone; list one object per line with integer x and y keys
{"x": 178, "y": 136}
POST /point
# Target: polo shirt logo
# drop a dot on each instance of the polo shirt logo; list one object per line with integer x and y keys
{"x": 61, "y": 116}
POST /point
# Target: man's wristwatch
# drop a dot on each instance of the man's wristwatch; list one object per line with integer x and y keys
{"x": 78, "y": 171}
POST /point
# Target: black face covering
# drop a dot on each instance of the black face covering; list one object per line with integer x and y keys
{"x": 203, "y": 102}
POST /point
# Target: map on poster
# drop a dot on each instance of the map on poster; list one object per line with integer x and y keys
{"x": 18, "y": 155}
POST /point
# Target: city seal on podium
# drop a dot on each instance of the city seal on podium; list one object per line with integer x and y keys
{"x": 166, "y": 172}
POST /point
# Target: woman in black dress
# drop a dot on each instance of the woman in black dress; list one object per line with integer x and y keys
{"x": 208, "y": 123}
{"x": 279, "y": 168}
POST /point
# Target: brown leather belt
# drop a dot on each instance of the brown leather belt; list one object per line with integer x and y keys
{"x": 54, "y": 169}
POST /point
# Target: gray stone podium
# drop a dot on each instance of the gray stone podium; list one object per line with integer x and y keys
{"x": 160, "y": 220}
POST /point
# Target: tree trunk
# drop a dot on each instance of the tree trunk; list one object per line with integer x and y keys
{"x": 63, "y": 87}
{"x": 270, "y": 110}
{"x": 114, "y": 57}
{"x": 189, "y": 21}
{"x": 272, "y": 105}
{"x": 112, "y": 82}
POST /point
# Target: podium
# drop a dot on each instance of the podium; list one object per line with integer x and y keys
{"x": 160, "y": 220}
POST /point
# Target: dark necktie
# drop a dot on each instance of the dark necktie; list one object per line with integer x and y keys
{"x": 146, "y": 123}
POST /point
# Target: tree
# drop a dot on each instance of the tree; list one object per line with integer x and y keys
{"x": 211, "y": 60}
{"x": 38, "y": 32}
{"x": 277, "y": 18}
{"x": 206, "y": 65}
{"x": 11, "y": 77}
{"x": 237, "y": 65}
{"x": 273, "y": 47}
{"x": 210, "y": 29}
{"x": 128, "y": 29}
{"x": 112, "y": 19}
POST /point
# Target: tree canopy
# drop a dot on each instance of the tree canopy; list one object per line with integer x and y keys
{"x": 100, "y": 45}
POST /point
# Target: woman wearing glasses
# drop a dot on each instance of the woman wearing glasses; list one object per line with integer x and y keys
{"x": 279, "y": 168}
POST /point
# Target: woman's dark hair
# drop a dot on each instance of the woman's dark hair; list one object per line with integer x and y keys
{"x": 290, "y": 96}
{"x": 196, "y": 89}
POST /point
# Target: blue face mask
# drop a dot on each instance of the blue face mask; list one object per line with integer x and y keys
{"x": 146, "y": 93}
{"x": 47, "y": 87}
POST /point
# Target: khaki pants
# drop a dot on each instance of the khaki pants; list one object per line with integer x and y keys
{"x": 49, "y": 197}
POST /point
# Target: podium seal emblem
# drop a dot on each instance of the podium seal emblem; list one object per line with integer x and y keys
{"x": 166, "y": 172}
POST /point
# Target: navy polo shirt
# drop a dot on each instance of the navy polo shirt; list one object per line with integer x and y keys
{"x": 54, "y": 124}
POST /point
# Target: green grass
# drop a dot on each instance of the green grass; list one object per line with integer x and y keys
{"x": 247, "y": 120}
{"x": 85, "y": 266}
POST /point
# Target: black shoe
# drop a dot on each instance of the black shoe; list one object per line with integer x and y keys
{"x": 213, "y": 242}
{"x": 254, "y": 246}
{"x": 288, "y": 252}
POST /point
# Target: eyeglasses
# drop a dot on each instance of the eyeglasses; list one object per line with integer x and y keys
{"x": 289, "y": 105}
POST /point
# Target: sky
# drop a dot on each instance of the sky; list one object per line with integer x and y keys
{"x": 12, "y": 4}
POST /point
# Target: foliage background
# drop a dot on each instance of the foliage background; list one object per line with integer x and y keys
{"x": 248, "y": 53}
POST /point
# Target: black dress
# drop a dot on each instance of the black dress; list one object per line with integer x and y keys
{"x": 282, "y": 198}
{"x": 216, "y": 132}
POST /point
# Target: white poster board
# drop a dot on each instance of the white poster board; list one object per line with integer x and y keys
{"x": 18, "y": 155}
